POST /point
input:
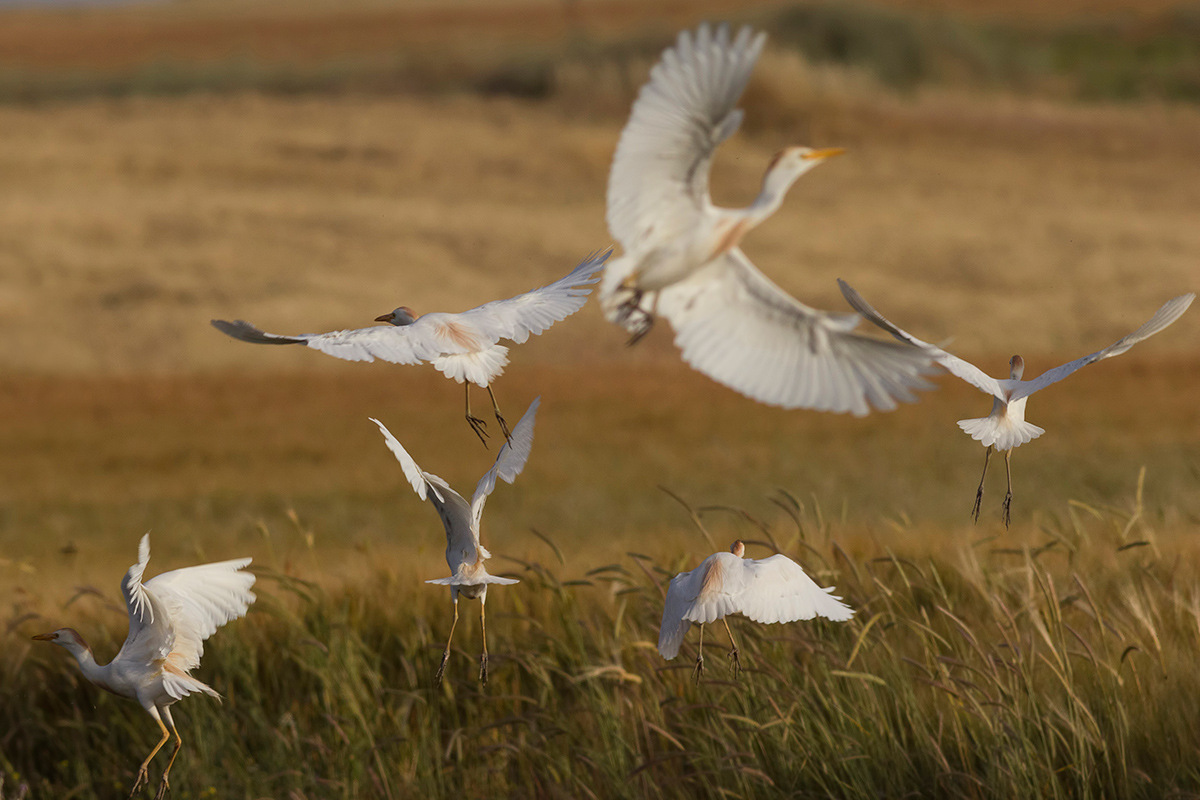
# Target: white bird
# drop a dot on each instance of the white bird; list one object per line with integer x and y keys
{"x": 1005, "y": 428}
{"x": 170, "y": 616}
{"x": 464, "y": 554}
{"x": 682, "y": 258}
{"x": 767, "y": 590}
{"x": 462, "y": 346}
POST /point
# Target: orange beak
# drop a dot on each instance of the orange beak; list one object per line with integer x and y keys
{"x": 384, "y": 318}
{"x": 44, "y": 637}
{"x": 827, "y": 152}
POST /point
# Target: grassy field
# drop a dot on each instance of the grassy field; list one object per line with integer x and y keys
{"x": 1053, "y": 659}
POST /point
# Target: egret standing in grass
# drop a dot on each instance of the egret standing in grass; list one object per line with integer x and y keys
{"x": 1005, "y": 429}
{"x": 170, "y": 616}
{"x": 461, "y": 346}
{"x": 773, "y": 589}
{"x": 682, "y": 258}
{"x": 464, "y": 554}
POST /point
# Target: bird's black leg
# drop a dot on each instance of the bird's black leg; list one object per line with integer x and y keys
{"x": 979, "y": 491}
{"x": 699, "y": 670}
{"x": 477, "y": 425}
{"x": 735, "y": 662}
{"x": 1008, "y": 497}
{"x": 635, "y": 319}
{"x": 499, "y": 416}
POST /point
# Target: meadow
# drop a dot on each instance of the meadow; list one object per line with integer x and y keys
{"x": 1051, "y": 659}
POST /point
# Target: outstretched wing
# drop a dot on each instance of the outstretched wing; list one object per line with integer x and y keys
{"x": 535, "y": 311}
{"x": 173, "y": 613}
{"x": 509, "y": 462}
{"x": 739, "y": 328}
{"x": 659, "y": 178}
{"x": 404, "y": 344}
{"x": 452, "y": 509}
{"x": 778, "y": 590}
{"x": 681, "y": 594}
{"x": 953, "y": 364}
{"x": 1171, "y": 310}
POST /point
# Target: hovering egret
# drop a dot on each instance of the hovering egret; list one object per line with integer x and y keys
{"x": 682, "y": 258}
{"x": 462, "y": 346}
{"x": 1005, "y": 428}
{"x": 170, "y": 616}
{"x": 773, "y": 589}
{"x": 464, "y": 554}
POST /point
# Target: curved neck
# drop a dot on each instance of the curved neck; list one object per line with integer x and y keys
{"x": 774, "y": 188}
{"x": 96, "y": 673}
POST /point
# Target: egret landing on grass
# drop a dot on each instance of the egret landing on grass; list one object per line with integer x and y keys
{"x": 682, "y": 260}
{"x": 1005, "y": 428}
{"x": 461, "y": 346}
{"x": 464, "y": 554}
{"x": 170, "y": 616}
{"x": 768, "y": 590}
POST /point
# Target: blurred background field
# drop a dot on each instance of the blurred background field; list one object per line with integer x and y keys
{"x": 1021, "y": 178}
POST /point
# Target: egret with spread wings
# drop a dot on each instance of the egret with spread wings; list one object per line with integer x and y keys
{"x": 170, "y": 616}
{"x": 464, "y": 553}
{"x": 462, "y": 346}
{"x": 682, "y": 258}
{"x": 1005, "y": 428}
{"x": 774, "y": 589}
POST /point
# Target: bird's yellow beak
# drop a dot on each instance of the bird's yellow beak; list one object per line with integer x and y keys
{"x": 825, "y": 152}
{"x": 44, "y": 637}
{"x": 384, "y": 318}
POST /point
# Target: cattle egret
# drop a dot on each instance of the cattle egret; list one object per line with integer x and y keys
{"x": 170, "y": 616}
{"x": 682, "y": 258}
{"x": 462, "y": 346}
{"x": 1005, "y": 428}
{"x": 464, "y": 554}
{"x": 767, "y": 590}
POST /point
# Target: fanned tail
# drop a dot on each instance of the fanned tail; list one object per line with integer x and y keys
{"x": 1003, "y": 434}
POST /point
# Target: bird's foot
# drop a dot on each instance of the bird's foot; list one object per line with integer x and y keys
{"x": 163, "y": 786}
{"x": 699, "y": 670}
{"x": 143, "y": 778}
{"x": 504, "y": 428}
{"x": 483, "y": 674}
{"x": 437, "y": 676}
{"x": 978, "y": 503}
{"x": 735, "y": 663}
{"x": 480, "y": 428}
{"x": 633, "y": 318}
{"x": 1007, "y": 506}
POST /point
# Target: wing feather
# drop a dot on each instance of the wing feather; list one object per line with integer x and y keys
{"x": 403, "y": 344}
{"x": 777, "y": 589}
{"x": 681, "y": 593}
{"x": 509, "y": 462}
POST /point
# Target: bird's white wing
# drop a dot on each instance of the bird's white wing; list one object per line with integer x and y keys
{"x": 681, "y": 594}
{"x": 535, "y": 311}
{"x": 952, "y": 363}
{"x": 659, "y": 178}
{"x": 509, "y": 461}
{"x": 173, "y": 613}
{"x": 739, "y": 328}
{"x": 1171, "y": 310}
{"x": 452, "y": 508}
{"x": 776, "y": 589}
{"x": 403, "y": 344}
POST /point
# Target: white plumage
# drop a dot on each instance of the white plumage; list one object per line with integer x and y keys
{"x": 1005, "y": 427}
{"x": 682, "y": 259}
{"x": 170, "y": 616}
{"x": 465, "y": 555}
{"x": 769, "y": 590}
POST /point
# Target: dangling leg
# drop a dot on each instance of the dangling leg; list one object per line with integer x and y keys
{"x": 143, "y": 775}
{"x": 499, "y": 416}
{"x": 164, "y": 785}
{"x": 483, "y": 659}
{"x": 476, "y": 423}
{"x": 1007, "y": 497}
{"x": 733, "y": 652}
{"x": 645, "y": 319}
{"x": 979, "y": 491}
{"x": 437, "y": 678}
{"x": 696, "y": 673}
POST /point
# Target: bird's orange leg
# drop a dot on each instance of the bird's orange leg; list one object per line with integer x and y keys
{"x": 979, "y": 491}
{"x": 1008, "y": 497}
{"x": 477, "y": 425}
{"x": 437, "y": 678}
{"x": 499, "y": 416}
{"x": 733, "y": 651}
{"x": 143, "y": 775}
{"x": 699, "y": 670}
{"x": 483, "y": 659}
{"x": 164, "y": 785}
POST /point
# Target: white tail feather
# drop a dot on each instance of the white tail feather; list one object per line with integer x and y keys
{"x": 1004, "y": 433}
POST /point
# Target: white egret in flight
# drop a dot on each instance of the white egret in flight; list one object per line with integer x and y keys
{"x": 462, "y": 346}
{"x": 1005, "y": 428}
{"x": 767, "y": 590}
{"x": 682, "y": 258}
{"x": 464, "y": 554}
{"x": 170, "y": 616}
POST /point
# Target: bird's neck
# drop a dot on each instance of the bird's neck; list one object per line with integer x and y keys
{"x": 96, "y": 673}
{"x": 774, "y": 188}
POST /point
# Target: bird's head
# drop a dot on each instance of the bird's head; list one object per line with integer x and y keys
{"x": 65, "y": 637}
{"x": 1016, "y": 366}
{"x": 401, "y": 316}
{"x": 792, "y": 162}
{"x": 738, "y": 548}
